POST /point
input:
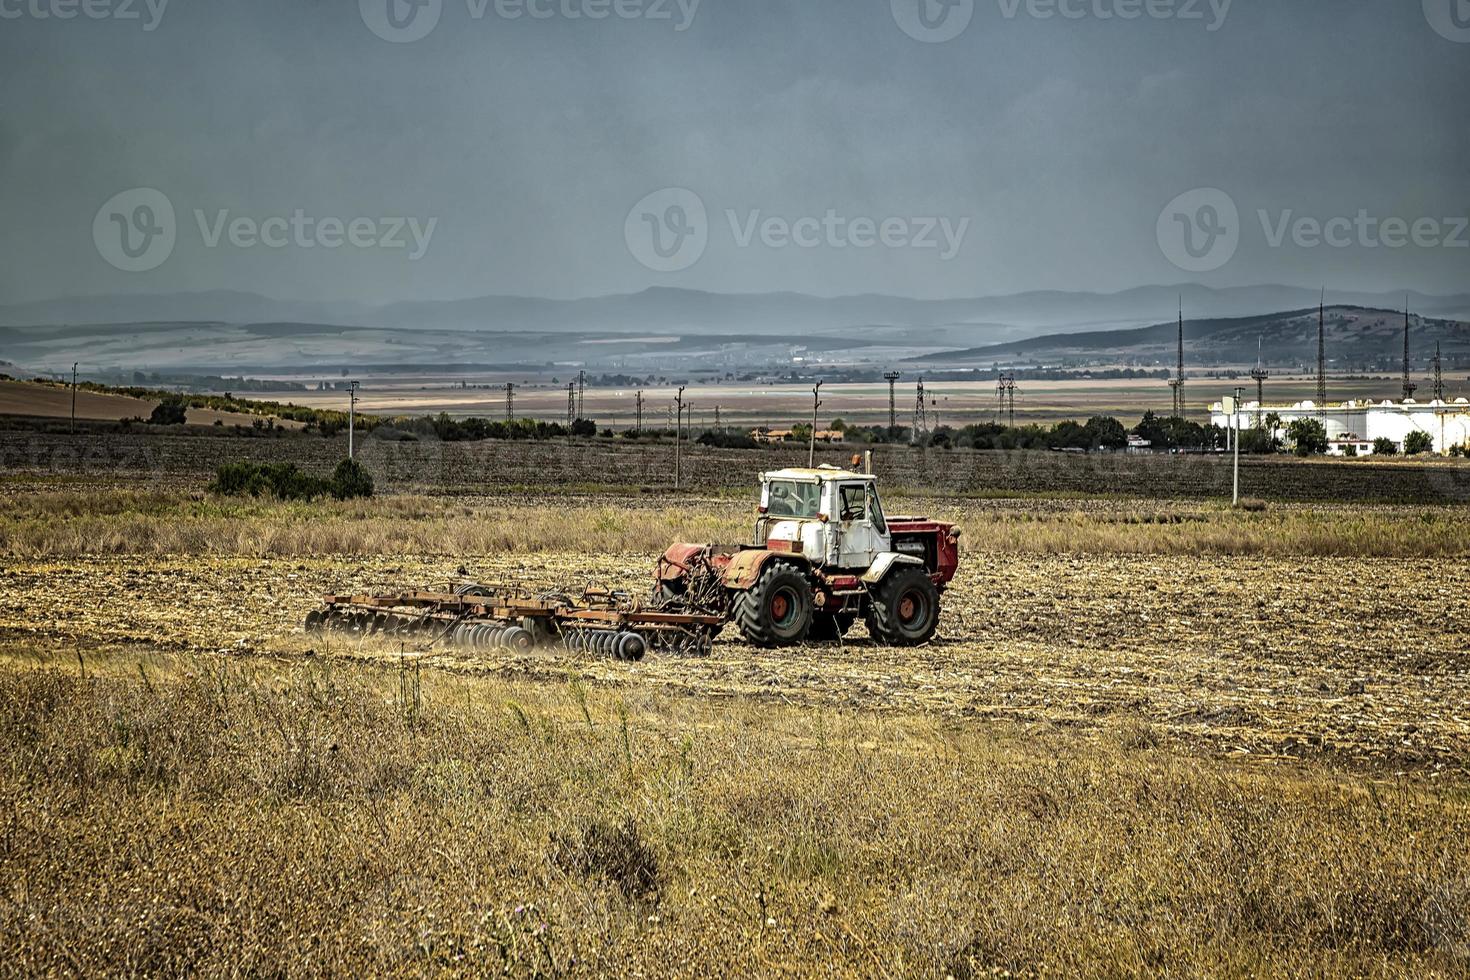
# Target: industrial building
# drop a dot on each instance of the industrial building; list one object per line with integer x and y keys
{"x": 1361, "y": 422}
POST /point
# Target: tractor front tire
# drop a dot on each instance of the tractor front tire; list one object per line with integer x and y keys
{"x": 903, "y": 610}
{"x": 777, "y": 610}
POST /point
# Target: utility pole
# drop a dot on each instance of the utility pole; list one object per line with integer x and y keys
{"x": 1409, "y": 386}
{"x": 352, "y": 387}
{"x": 1178, "y": 383}
{"x": 678, "y": 433}
{"x": 581, "y": 394}
{"x": 892, "y": 378}
{"x": 510, "y": 401}
{"x": 921, "y": 413}
{"x": 811, "y": 453}
{"x": 1235, "y": 424}
{"x": 1259, "y": 376}
{"x": 74, "y": 398}
{"x": 1437, "y": 378}
{"x": 571, "y": 406}
{"x": 1322, "y": 352}
{"x": 638, "y": 416}
{"x": 718, "y": 427}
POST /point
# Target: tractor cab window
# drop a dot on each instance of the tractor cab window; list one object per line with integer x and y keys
{"x": 875, "y": 510}
{"x": 788, "y": 498}
{"x": 854, "y": 502}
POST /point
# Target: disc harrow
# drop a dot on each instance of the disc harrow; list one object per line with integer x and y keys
{"x": 475, "y": 617}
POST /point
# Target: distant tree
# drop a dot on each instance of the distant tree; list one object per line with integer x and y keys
{"x": 1418, "y": 442}
{"x": 1259, "y": 441}
{"x": 351, "y": 480}
{"x": 1383, "y": 446}
{"x": 1308, "y": 437}
{"x": 585, "y": 428}
{"x": 170, "y": 411}
{"x": 1105, "y": 432}
{"x": 838, "y": 425}
{"x": 1457, "y": 451}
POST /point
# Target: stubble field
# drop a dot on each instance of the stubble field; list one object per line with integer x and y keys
{"x": 1153, "y": 735}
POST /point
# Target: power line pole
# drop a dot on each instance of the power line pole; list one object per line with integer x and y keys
{"x": 1437, "y": 378}
{"x": 920, "y": 415}
{"x": 811, "y": 453}
{"x": 1259, "y": 375}
{"x": 892, "y": 378}
{"x": 1322, "y": 351}
{"x": 74, "y": 398}
{"x": 581, "y": 394}
{"x": 1178, "y": 383}
{"x": 1409, "y": 386}
{"x": 678, "y": 433}
{"x": 1005, "y": 391}
{"x": 352, "y": 387}
{"x": 718, "y": 427}
{"x": 510, "y": 401}
{"x": 638, "y": 412}
{"x": 571, "y": 406}
{"x": 1235, "y": 425}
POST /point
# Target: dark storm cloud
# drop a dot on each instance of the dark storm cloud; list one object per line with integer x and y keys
{"x": 826, "y": 144}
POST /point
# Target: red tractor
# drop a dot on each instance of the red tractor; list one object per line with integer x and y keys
{"x": 824, "y": 554}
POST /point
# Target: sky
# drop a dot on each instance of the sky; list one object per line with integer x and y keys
{"x": 385, "y": 150}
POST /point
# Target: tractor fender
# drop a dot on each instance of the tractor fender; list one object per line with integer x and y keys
{"x": 746, "y": 566}
{"x": 885, "y": 561}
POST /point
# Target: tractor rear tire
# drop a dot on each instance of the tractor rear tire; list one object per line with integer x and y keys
{"x": 903, "y": 610}
{"x": 777, "y": 610}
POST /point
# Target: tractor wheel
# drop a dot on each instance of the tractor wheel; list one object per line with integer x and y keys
{"x": 777, "y": 610}
{"x": 830, "y": 627}
{"x": 903, "y": 611}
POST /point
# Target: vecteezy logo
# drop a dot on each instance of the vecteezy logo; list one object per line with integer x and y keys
{"x": 933, "y": 21}
{"x": 401, "y": 21}
{"x": 668, "y": 230}
{"x": 1449, "y": 18}
{"x": 135, "y": 231}
{"x": 1199, "y": 230}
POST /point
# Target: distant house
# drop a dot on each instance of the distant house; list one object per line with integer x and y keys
{"x": 1349, "y": 445}
{"x": 1137, "y": 444}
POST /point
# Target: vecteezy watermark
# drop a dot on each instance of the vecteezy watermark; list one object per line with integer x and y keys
{"x": 404, "y": 21}
{"x": 932, "y": 21}
{"x": 668, "y": 231}
{"x": 149, "y": 13}
{"x": 937, "y": 21}
{"x": 1449, "y": 18}
{"x": 136, "y": 231}
{"x": 1200, "y": 230}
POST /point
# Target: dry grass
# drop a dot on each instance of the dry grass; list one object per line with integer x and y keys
{"x": 218, "y": 817}
{"x": 108, "y": 522}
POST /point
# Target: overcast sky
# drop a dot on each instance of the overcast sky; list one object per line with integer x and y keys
{"x": 1025, "y": 152}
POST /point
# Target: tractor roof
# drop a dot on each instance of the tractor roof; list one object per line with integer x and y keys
{"x": 804, "y": 475}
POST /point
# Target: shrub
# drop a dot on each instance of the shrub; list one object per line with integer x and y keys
{"x": 351, "y": 480}
{"x": 170, "y": 411}
{"x": 1383, "y": 446}
{"x": 1418, "y": 442}
{"x": 1308, "y": 437}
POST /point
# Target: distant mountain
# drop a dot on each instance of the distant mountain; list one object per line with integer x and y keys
{"x": 1356, "y": 336}
{"x": 694, "y": 312}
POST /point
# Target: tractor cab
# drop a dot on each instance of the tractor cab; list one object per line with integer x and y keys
{"x": 832, "y": 517}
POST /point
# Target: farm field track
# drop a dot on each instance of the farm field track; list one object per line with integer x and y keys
{"x": 178, "y": 461}
{"x": 1263, "y": 658}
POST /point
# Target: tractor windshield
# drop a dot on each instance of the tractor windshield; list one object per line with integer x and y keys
{"x": 788, "y": 498}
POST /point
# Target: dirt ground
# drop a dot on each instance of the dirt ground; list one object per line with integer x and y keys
{"x": 44, "y": 401}
{"x": 1261, "y": 658}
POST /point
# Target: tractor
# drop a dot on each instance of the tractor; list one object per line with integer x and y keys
{"x": 823, "y": 554}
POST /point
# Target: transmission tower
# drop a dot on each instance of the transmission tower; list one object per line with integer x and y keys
{"x": 571, "y": 405}
{"x": 718, "y": 426}
{"x": 1409, "y": 386}
{"x": 1322, "y": 351}
{"x": 510, "y": 401}
{"x": 921, "y": 414}
{"x": 581, "y": 394}
{"x": 1259, "y": 376}
{"x": 1005, "y": 391}
{"x": 892, "y": 378}
{"x": 638, "y": 412}
{"x": 1178, "y": 381}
